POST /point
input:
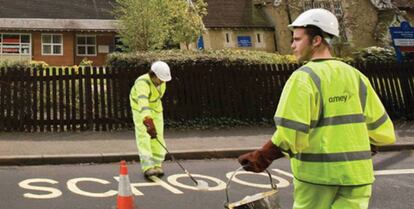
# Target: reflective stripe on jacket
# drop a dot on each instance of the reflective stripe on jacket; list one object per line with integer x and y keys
{"x": 145, "y": 97}
{"x": 327, "y": 116}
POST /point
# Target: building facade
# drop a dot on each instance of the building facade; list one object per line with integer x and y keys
{"x": 65, "y": 32}
{"x": 236, "y": 24}
{"x": 57, "y": 32}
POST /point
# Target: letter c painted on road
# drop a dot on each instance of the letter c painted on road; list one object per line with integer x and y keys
{"x": 71, "y": 184}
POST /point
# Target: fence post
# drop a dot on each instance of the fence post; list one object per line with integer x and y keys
{"x": 88, "y": 99}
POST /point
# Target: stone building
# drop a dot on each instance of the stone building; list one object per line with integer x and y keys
{"x": 363, "y": 23}
{"x": 236, "y": 24}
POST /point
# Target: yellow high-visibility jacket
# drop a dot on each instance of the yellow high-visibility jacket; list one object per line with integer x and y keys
{"x": 327, "y": 116}
{"x": 145, "y": 97}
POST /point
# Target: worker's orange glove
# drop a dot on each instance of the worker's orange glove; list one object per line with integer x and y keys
{"x": 149, "y": 123}
{"x": 257, "y": 161}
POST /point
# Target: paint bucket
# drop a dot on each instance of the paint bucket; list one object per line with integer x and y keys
{"x": 263, "y": 200}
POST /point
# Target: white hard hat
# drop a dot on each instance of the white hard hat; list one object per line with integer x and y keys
{"x": 161, "y": 70}
{"x": 320, "y": 18}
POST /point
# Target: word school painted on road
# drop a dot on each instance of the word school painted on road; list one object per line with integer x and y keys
{"x": 172, "y": 185}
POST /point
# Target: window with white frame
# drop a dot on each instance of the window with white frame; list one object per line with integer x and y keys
{"x": 335, "y": 7}
{"x": 52, "y": 44}
{"x": 86, "y": 45}
{"x": 15, "y": 44}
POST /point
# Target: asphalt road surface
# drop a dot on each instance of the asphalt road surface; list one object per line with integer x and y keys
{"x": 94, "y": 186}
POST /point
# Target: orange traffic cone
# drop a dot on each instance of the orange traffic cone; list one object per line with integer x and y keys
{"x": 125, "y": 199}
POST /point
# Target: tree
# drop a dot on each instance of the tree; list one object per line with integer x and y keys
{"x": 187, "y": 20}
{"x": 148, "y": 24}
{"x": 140, "y": 25}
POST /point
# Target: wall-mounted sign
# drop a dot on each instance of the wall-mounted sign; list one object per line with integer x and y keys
{"x": 403, "y": 41}
{"x": 103, "y": 49}
{"x": 244, "y": 41}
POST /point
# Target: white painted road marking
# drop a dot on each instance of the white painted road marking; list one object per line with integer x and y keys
{"x": 394, "y": 172}
{"x": 51, "y": 192}
{"x": 73, "y": 187}
{"x": 282, "y": 182}
{"x": 283, "y": 172}
{"x": 173, "y": 179}
{"x": 157, "y": 182}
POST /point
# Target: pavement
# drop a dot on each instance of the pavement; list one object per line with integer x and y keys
{"x": 104, "y": 147}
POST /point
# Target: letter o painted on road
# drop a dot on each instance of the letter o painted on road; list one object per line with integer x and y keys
{"x": 173, "y": 179}
{"x": 282, "y": 182}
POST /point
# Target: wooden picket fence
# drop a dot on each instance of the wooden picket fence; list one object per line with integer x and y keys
{"x": 63, "y": 99}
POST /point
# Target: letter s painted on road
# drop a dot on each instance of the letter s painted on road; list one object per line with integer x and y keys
{"x": 53, "y": 192}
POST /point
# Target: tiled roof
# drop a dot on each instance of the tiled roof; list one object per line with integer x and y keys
{"x": 57, "y": 24}
{"x": 57, "y": 9}
{"x": 221, "y": 13}
{"x": 234, "y": 13}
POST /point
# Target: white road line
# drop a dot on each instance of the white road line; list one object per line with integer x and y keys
{"x": 283, "y": 172}
{"x": 393, "y": 172}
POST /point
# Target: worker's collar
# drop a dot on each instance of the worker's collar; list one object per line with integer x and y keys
{"x": 322, "y": 59}
{"x": 156, "y": 81}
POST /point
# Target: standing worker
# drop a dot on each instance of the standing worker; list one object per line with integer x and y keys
{"x": 146, "y": 105}
{"x": 326, "y": 119}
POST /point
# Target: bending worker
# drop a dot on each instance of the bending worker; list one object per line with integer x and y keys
{"x": 326, "y": 119}
{"x": 146, "y": 105}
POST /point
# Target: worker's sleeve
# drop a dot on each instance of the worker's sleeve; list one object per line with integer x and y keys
{"x": 380, "y": 127}
{"x": 142, "y": 93}
{"x": 293, "y": 114}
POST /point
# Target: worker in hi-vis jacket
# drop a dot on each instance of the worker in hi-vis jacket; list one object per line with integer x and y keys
{"x": 327, "y": 120}
{"x": 147, "y": 110}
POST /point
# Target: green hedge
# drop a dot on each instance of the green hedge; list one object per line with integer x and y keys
{"x": 14, "y": 64}
{"x": 228, "y": 56}
{"x": 234, "y": 56}
{"x": 375, "y": 54}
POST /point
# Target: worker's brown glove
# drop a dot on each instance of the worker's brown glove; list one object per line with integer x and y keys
{"x": 257, "y": 161}
{"x": 149, "y": 123}
{"x": 374, "y": 150}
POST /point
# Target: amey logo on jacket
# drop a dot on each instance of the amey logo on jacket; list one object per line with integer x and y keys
{"x": 346, "y": 95}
